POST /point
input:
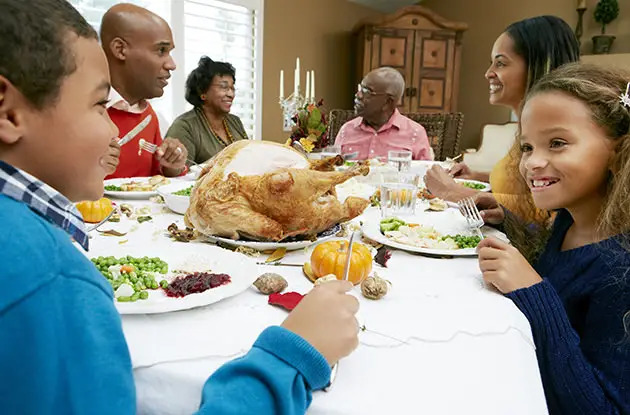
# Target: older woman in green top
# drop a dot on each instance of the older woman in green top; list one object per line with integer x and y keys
{"x": 209, "y": 127}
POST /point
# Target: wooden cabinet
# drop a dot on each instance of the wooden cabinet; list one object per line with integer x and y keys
{"x": 424, "y": 47}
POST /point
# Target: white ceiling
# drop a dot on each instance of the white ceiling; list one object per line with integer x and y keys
{"x": 387, "y": 6}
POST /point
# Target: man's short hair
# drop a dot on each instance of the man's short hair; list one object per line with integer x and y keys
{"x": 35, "y": 52}
{"x": 394, "y": 80}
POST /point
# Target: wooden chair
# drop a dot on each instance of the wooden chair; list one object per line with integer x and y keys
{"x": 443, "y": 129}
{"x": 337, "y": 118}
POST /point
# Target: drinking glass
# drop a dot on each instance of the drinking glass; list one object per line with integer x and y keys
{"x": 398, "y": 199}
{"x": 330, "y": 151}
{"x": 400, "y": 159}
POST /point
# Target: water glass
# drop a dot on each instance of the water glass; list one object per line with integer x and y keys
{"x": 330, "y": 151}
{"x": 398, "y": 199}
{"x": 400, "y": 159}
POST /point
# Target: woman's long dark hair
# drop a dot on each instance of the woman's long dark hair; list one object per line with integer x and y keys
{"x": 545, "y": 43}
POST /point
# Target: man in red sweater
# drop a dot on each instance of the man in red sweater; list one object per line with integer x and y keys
{"x": 137, "y": 45}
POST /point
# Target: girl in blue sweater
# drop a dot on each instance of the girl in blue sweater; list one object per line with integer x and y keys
{"x": 62, "y": 349}
{"x": 575, "y": 159}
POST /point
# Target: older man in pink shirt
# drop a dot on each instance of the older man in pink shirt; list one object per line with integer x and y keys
{"x": 380, "y": 127}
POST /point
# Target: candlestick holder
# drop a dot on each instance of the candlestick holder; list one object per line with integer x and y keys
{"x": 579, "y": 29}
{"x": 290, "y": 106}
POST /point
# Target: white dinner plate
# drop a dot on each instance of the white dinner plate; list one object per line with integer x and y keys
{"x": 241, "y": 269}
{"x": 128, "y": 195}
{"x": 448, "y": 222}
{"x": 267, "y": 246}
{"x": 486, "y": 186}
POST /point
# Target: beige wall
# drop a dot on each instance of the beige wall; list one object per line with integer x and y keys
{"x": 486, "y": 20}
{"x": 319, "y": 33}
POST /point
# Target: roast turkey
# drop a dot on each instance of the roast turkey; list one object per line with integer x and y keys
{"x": 265, "y": 191}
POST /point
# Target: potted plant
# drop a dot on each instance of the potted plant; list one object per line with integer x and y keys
{"x": 605, "y": 12}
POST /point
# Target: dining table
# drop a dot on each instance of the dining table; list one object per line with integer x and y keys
{"x": 440, "y": 342}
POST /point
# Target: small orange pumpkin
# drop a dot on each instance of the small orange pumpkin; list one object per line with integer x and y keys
{"x": 95, "y": 211}
{"x": 330, "y": 258}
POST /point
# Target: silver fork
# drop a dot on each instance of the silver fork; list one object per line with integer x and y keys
{"x": 152, "y": 148}
{"x": 468, "y": 209}
{"x": 148, "y": 147}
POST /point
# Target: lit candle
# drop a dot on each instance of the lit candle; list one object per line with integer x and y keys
{"x": 297, "y": 75}
{"x": 313, "y": 85}
{"x": 281, "y": 84}
{"x": 307, "y": 90}
{"x": 581, "y": 4}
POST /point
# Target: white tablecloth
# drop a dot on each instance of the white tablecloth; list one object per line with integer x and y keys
{"x": 439, "y": 343}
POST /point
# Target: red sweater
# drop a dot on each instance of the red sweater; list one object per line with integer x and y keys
{"x": 131, "y": 163}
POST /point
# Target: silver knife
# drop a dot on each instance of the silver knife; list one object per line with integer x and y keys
{"x": 346, "y": 270}
{"x": 135, "y": 130}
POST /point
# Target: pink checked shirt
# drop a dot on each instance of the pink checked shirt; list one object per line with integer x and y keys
{"x": 399, "y": 133}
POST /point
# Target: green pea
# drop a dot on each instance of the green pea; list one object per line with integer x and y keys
{"x": 135, "y": 296}
{"x": 124, "y": 299}
{"x": 164, "y": 284}
{"x": 144, "y": 295}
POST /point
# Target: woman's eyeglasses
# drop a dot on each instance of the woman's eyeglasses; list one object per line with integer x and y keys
{"x": 225, "y": 87}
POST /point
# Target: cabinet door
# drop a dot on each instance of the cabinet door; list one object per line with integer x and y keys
{"x": 392, "y": 47}
{"x": 432, "y": 77}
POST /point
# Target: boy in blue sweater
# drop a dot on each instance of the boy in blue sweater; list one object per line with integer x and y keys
{"x": 63, "y": 349}
{"x": 575, "y": 158}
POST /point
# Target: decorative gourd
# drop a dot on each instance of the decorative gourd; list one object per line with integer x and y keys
{"x": 330, "y": 258}
{"x": 94, "y": 212}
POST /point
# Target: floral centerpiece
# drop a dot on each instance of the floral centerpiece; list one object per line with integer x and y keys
{"x": 311, "y": 127}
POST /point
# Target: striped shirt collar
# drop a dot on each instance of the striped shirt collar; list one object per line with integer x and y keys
{"x": 43, "y": 199}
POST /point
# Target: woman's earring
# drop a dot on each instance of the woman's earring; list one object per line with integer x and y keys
{"x": 203, "y": 97}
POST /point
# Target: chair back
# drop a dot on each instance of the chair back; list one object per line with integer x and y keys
{"x": 443, "y": 129}
{"x": 337, "y": 118}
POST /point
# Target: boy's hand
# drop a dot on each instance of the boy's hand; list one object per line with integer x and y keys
{"x": 110, "y": 161}
{"x": 504, "y": 267}
{"x": 172, "y": 154}
{"x": 325, "y": 318}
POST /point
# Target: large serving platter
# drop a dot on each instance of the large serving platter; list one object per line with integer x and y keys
{"x": 269, "y": 246}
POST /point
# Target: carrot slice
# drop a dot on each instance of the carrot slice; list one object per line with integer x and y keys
{"x": 126, "y": 268}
